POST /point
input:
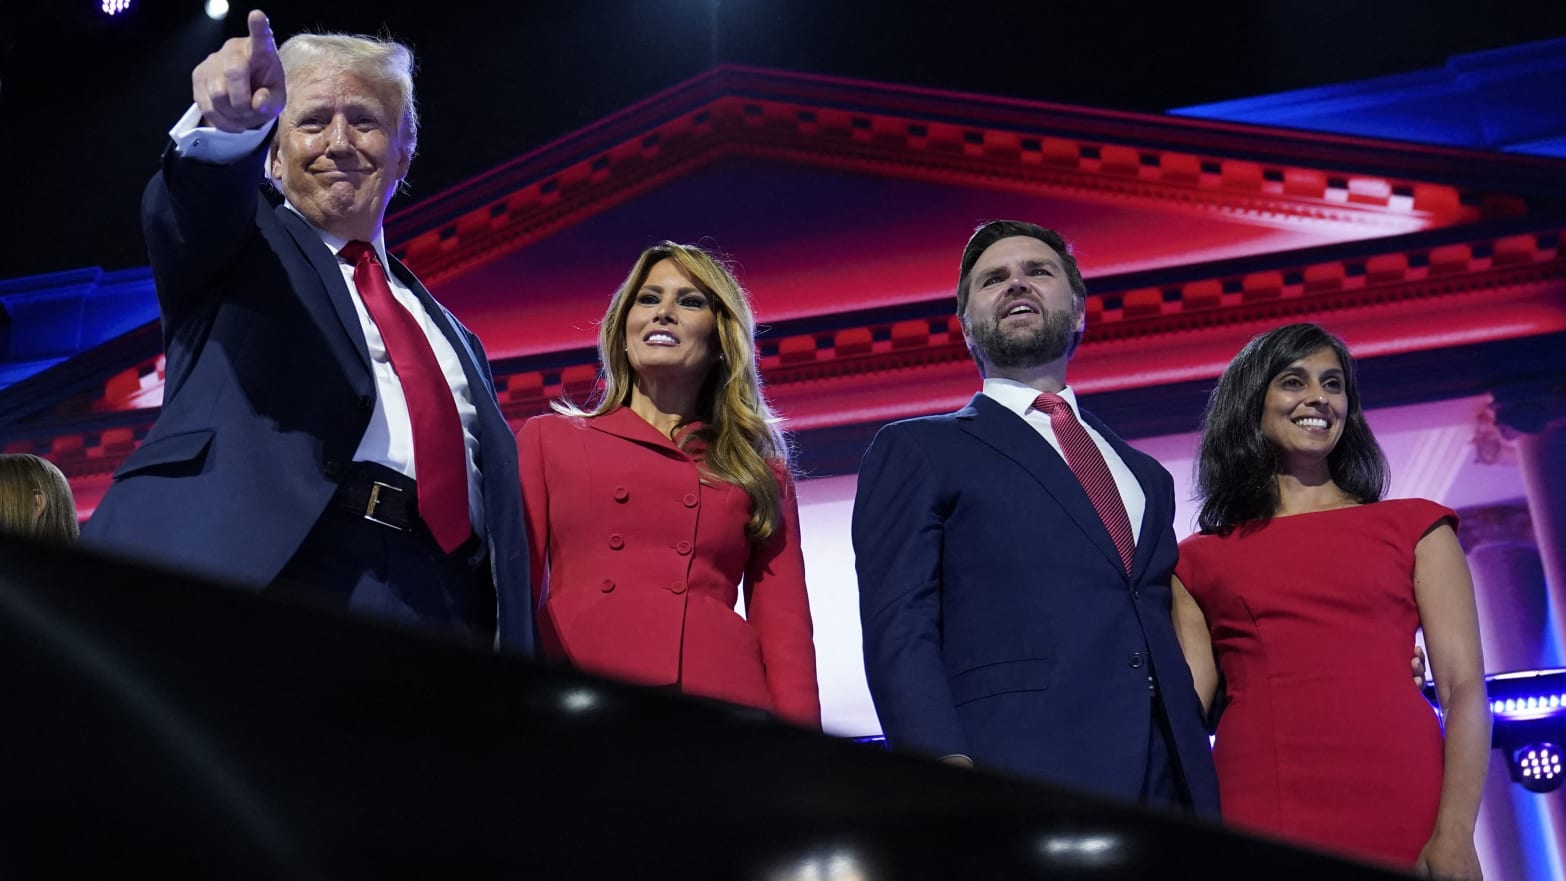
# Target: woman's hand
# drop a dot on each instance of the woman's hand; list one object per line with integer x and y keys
{"x": 1450, "y": 858}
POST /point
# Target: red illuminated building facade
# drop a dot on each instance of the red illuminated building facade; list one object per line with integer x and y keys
{"x": 845, "y": 206}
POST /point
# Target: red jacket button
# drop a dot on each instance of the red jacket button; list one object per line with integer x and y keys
{"x": 621, "y": 493}
{"x": 677, "y": 587}
{"x": 607, "y": 585}
{"x": 690, "y": 500}
{"x": 616, "y": 542}
{"x": 683, "y": 547}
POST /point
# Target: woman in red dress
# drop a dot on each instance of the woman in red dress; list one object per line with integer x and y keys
{"x": 1305, "y": 589}
{"x": 648, "y": 510}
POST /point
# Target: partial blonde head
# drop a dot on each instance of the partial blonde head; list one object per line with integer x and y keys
{"x": 26, "y": 481}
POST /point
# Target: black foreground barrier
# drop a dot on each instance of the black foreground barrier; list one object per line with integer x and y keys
{"x": 161, "y": 727}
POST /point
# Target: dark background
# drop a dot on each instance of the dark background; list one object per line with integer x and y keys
{"x": 85, "y": 100}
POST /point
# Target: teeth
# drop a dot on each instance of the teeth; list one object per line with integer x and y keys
{"x": 661, "y": 338}
{"x": 1311, "y": 422}
{"x": 1019, "y": 309}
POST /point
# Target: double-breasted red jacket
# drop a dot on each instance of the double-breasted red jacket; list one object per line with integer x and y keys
{"x": 638, "y": 562}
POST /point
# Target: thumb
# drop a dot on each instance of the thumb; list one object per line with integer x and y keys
{"x": 261, "y": 101}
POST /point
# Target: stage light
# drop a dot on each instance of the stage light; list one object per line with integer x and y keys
{"x": 217, "y": 10}
{"x": 1530, "y": 722}
{"x": 1534, "y": 706}
{"x": 114, "y": 7}
{"x": 1537, "y": 767}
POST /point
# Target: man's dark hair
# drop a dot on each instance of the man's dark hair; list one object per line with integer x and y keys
{"x": 992, "y": 231}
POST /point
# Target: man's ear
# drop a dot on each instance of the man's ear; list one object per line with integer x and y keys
{"x": 404, "y": 162}
{"x": 967, "y": 340}
{"x": 274, "y": 164}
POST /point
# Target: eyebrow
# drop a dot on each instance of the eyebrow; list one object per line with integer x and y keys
{"x": 686, "y": 289}
{"x": 1295, "y": 370}
{"x": 981, "y": 271}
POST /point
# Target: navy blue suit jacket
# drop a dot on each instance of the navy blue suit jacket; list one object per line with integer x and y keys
{"x": 999, "y": 622}
{"x": 268, "y": 392}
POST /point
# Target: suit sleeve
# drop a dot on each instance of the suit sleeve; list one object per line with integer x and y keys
{"x": 898, "y": 526}
{"x": 778, "y": 608}
{"x": 535, "y": 501}
{"x": 197, "y": 217}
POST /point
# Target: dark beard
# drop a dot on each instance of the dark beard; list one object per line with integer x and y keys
{"x": 1050, "y": 341}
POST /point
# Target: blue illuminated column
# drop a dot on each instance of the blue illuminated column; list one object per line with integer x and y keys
{"x": 1514, "y": 626}
{"x": 1540, "y": 423}
{"x": 1518, "y": 557}
{"x": 1509, "y": 584}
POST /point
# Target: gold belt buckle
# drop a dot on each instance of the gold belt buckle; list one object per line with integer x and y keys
{"x": 375, "y": 502}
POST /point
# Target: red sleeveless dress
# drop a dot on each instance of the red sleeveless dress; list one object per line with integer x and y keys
{"x": 1326, "y": 741}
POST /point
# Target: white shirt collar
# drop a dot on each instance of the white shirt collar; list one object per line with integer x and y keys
{"x": 337, "y": 243}
{"x": 1018, "y": 398}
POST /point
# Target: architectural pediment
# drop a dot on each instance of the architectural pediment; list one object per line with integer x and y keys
{"x": 845, "y": 205}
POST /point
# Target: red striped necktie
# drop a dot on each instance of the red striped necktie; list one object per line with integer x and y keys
{"x": 440, "y": 459}
{"x": 1088, "y": 464}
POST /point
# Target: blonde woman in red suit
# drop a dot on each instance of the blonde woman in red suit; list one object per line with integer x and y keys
{"x": 650, "y": 509}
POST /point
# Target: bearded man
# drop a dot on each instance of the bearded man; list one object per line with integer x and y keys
{"x": 1014, "y": 561}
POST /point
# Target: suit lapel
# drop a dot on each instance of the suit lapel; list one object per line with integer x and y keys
{"x": 1012, "y": 437}
{"x": 622, "y": 422}
{"x": 477, "y": 380}
{"x": 1145, "y": 470}
{"x": 325, "y": 264}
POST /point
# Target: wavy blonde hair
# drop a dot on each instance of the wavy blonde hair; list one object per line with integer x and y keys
{"x": 22, "y": 475}
{"x": 745, "y": 442}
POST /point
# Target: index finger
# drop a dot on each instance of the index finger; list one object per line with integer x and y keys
{"x": 261, "y": 41}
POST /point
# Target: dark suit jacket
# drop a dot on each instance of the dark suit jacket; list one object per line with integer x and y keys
{"x": 268, "y": 392}
{"x": 999, "y": 622}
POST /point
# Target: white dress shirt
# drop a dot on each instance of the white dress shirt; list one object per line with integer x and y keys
{"x": 388, "y": 440}
{"x": 1018, "y": 398}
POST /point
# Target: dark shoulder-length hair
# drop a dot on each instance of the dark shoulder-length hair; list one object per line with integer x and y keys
{"x": 1236, "y": 465}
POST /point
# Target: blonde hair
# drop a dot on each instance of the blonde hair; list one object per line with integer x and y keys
{"x": 22, "y": 475}
{"x": 746, "y": 445}
{"x": 373, "y": 58}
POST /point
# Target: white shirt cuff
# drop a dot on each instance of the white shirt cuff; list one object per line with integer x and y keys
{"x": 192, "y": 140}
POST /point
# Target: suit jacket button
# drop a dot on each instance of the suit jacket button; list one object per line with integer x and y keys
{"x": 615, "y": 541}
{"x": 606, "y": 585}
{"x": 690, "y": 500}
{"x": 621, "y": 493}
{"x": 677, "y": 587}
{"x": 333, "y": 469}
{"x": 366, "y": 402}
{"x": 683, "y": 548}
{"x": 1136, "y": 660}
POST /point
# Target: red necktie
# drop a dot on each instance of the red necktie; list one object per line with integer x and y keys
{"x": 440, "y": 458}
{"x": 1088, "y": 464}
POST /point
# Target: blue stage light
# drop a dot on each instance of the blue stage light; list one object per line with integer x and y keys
{"x": 114, "y": 7}
{"x": 1530, "y": 720}
{"x": 1537, "y": 767}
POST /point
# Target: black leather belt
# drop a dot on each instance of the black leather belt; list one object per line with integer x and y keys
{"x": 382, "y": 496}
{"x": 390, "y": 498}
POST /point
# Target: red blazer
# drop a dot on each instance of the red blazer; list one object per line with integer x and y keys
{"x": 644, "y": 561}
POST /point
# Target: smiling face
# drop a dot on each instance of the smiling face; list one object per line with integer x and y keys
{"x": 1021, "y": 311}
{"x": 670, "y": 328}
{"x": 339, "y": 151}
{"x": 1305, "y": 408}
